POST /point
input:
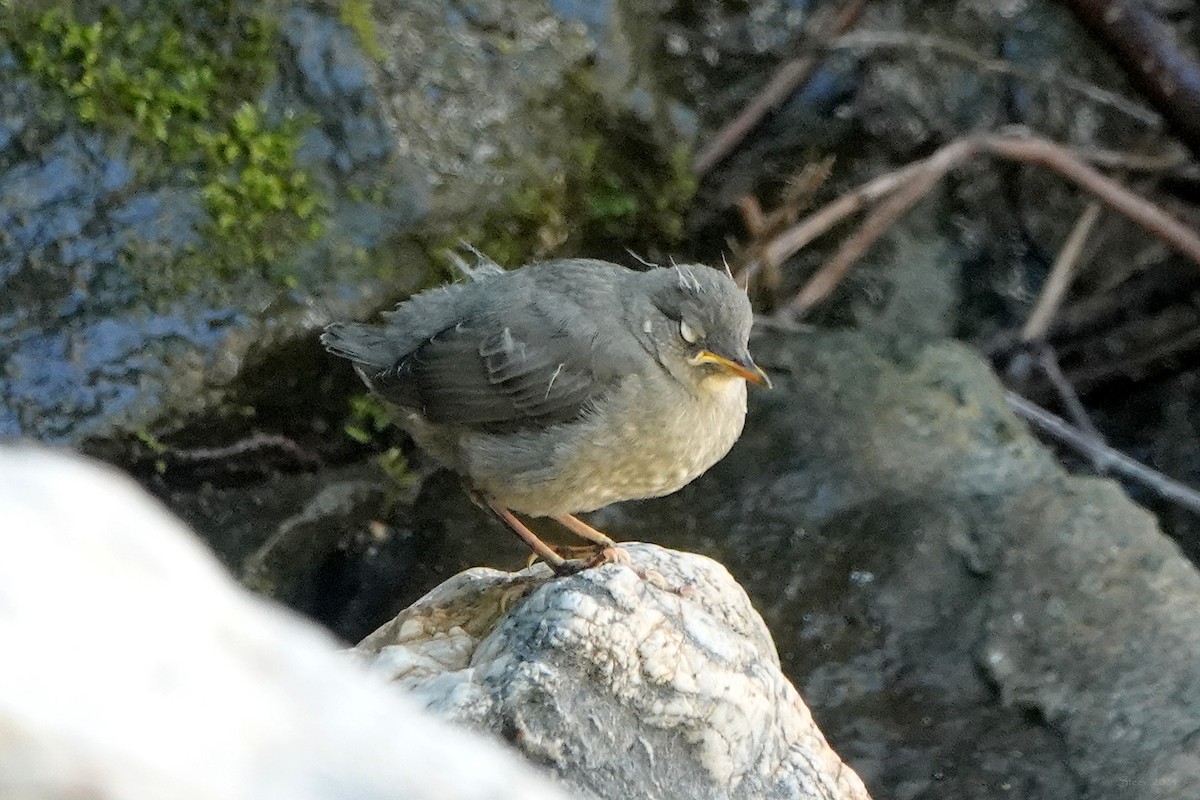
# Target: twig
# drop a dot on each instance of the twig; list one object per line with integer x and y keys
{"x": 253, "y": 445}
{"x": 1047, "y": 359}
{"x": 1176, "y": 159}
{"x": 789, "y": 77}
{"x": 753, "y": 216}
{"x": 1061, "y": 275}
{"x": 762, "y": 228}
{"x": 1058, "y": 158}
{"x": 812, "y": 226}
{"x": 1016, "y": 146}
{"x": 919, "y": 183}
{"x": 1167, "y": 75}
{"x": 794, "y": 239}
{"x": 1102, "y": 455}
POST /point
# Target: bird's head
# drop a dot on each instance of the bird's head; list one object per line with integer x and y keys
{"x": 697, "y": 324}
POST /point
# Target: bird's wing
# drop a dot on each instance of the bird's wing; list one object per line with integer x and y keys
{"x": 507, "y": 371}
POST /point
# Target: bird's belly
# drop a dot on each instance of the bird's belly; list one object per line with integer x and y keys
{"x": 608, "y": 457}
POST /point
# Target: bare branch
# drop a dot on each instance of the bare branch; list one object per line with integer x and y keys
{"x": 790, "y": 76}
{"x": 1047, "y": 359}
{"x": 917, "y": 185}
{"x": 1102, "y": 455}
{"x": 1032, "y": 150}
{"x": 912, "y": 182}
{"x": 1152, "y": 56}
{"x": 794, "y": 239}
{"x": 1061, "y": 274}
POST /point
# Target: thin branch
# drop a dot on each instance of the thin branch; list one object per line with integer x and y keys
{"x": 919, "y": 184}
{"x": 790, "y": 76}
{"x": 1152, "y": 55}
{"x": 919, "y": 178}
{"x": 1102, "y": 455}
{"x": 1061, "y": 275}
{"x": 753, "y": 216}
{"x": 1061, "y": 160}
{"x": 794, "y": 239}
{"x": 1047, "y": 359}
{"x": 1176, "y": 159}
{"x": 763, "y": 228}
{"x": 254, "y": 444}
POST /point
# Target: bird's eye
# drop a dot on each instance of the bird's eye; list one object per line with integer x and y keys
{"x": 689, "y": 334}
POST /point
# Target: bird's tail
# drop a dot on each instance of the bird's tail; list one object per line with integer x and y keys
{"x": 365, "y": 345}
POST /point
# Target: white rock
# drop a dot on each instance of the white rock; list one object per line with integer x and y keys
{"x": 133, "y": 668}
{"x": 663, "y": 686}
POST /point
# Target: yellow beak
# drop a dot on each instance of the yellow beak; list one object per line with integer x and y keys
{"x": 743, "y": 368}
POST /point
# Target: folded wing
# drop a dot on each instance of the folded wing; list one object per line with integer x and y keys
{"x": 500, "y": 372}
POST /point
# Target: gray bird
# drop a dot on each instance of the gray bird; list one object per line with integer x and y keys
{"x": 567, "y": 385}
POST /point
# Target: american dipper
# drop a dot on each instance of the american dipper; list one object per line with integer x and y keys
{"x": 567, "y": 385}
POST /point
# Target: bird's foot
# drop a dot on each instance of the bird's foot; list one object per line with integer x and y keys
{"x": 563, "y": 560}
{"x": 595, "y": 555}
{"x": 571, "y": 566}
{"x": 573, "y": 559}
{"x": 567, "y": 560}
{"x": 611, "y": 555}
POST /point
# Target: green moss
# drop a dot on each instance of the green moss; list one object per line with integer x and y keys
{"x": 116, "y": 72}
{"x": 613, "y": 187}
{"x": 259, "y": 201}
{"x": 356, "y": 15}
{"x": 155, "y": 447}
{"x": 181, "y": 81}
{"x": 393, "y": 464}
{"x": 367, "y": 423}
{"x": 367, "y": 418}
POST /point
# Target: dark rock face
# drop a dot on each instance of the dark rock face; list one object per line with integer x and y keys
{"x": 99, "y": 345}
{"x": 448, "y": 116}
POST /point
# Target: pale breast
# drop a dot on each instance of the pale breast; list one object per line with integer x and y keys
{"x": 639, "y": 444}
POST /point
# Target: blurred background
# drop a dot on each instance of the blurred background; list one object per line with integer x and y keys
{"x": 190, "y": 191}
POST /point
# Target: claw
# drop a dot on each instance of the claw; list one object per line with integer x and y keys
{"x": 611, "y": 555}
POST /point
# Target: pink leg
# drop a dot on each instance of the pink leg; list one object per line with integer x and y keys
{"x": 609, "y": 552}
{"x": 560, "y": 565}
{"x": 581, "y": 529}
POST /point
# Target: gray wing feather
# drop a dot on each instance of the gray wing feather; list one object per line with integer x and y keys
{"x": 365, "y": 345}
{"x": 503, "y": 376}
{"x": 528, "y": 356}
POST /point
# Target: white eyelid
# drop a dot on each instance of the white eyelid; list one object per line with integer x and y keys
{"x": 688, "y": 333}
